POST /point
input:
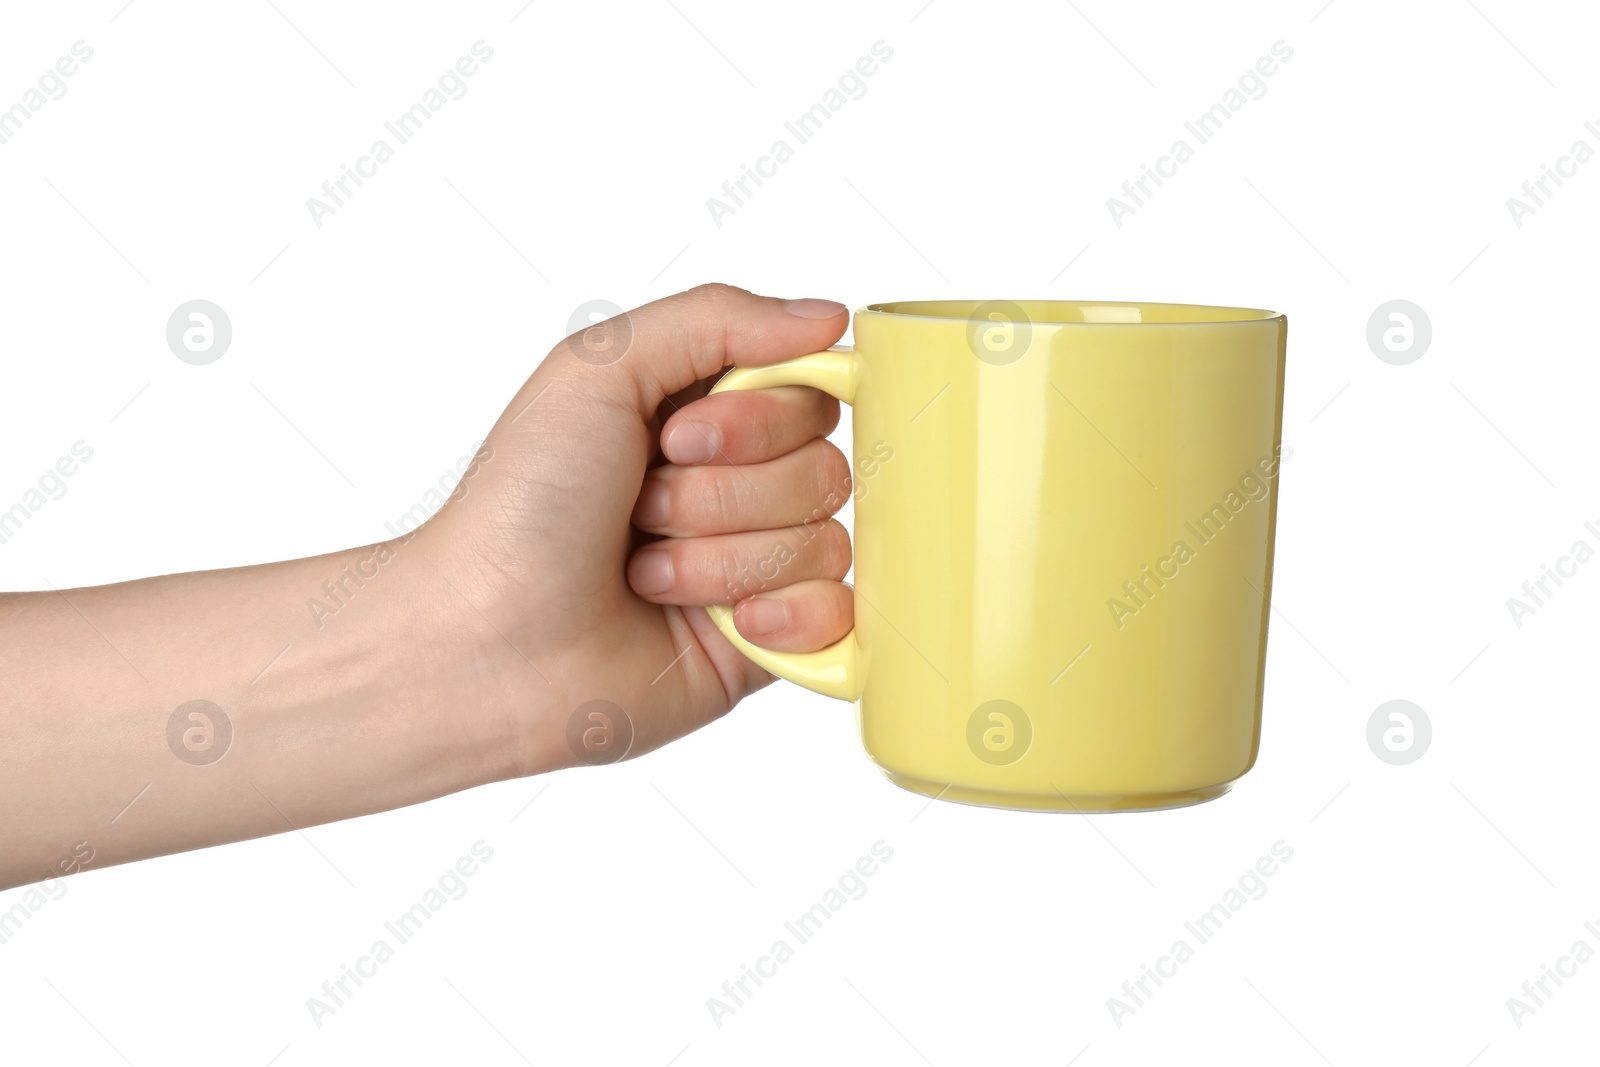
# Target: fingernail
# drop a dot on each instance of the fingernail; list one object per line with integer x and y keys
{"x": 654, "y": 504}
{"x": 693, "y": 442}
{"x": 762, "y": 615}
{"x": 651, "y": 572}
{"x": 812, "y": 308}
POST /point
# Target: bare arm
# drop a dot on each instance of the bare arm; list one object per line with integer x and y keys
{"x": 607, "y": 505}
{"x": 189, "y": 710}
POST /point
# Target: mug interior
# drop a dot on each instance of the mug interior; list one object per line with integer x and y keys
{"x": 1069, "y": 311}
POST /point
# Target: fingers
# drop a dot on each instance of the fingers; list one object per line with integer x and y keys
{"x": 727, "y": 568}
{"x": 807, "y": 485}
{"x": 749, "y": 481}
{"x": 748, "y": 427}
{"x": 802, "y": 617}
{"x": 665, "y": 346}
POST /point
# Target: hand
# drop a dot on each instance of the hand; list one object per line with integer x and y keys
{"x": 615, "y": 500}
{"x": 570, "y": 566}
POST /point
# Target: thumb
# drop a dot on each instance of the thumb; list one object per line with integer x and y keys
{"x": 642, "y": 356}
{"x": 571, "y": 449}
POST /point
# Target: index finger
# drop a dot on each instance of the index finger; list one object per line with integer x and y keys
{"x": 748, "y": 427}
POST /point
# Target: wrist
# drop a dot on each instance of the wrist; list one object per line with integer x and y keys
{"x": 491, "y": 683}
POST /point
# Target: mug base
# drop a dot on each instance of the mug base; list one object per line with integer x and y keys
{"x": 1083, "y": 805}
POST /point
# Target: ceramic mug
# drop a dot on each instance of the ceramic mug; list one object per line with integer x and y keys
{"x": 1063, "y": 546}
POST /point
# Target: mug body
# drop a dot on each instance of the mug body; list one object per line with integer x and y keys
{"x": 1064, "y": 526}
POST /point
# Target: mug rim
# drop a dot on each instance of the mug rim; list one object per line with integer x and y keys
{"x": 1172, "y": 314}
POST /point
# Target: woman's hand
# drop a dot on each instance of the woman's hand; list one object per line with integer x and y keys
{"x": 615, "y": 499}
{"x": 548, "y": 615}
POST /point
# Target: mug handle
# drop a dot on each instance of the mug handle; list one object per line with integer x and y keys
{"x": 833, "y": 671}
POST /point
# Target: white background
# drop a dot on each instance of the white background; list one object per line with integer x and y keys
{"x": 977, "y": 164}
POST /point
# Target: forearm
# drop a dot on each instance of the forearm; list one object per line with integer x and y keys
{"x": 370, "y": 702}
{"x": 548, "y": 614}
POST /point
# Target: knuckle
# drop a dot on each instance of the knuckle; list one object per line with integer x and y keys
{"x": 716, "y": 292}
{"x": 719, "y": 501}
{"x": 726, "y": 569}
{"x": 706, "y": 502}
{"x": 730, "y": 574}
{"x": 764, "y": 433}
{"x": 715, "y": 568}
{"x": 688, "y": 501}
{"x": 832, "y": 472}
{"x": 710, "y": 306}
{"x": 833, "y": 611}
{"x": 759, "y": 571}
{"x": 834, "y": 546}
{"x": 829, "y": 412}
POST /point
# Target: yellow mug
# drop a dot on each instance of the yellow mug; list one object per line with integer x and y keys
{"x": 1063, "y": 546}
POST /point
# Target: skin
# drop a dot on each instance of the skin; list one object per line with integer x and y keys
{"x": 609, "y": 503}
